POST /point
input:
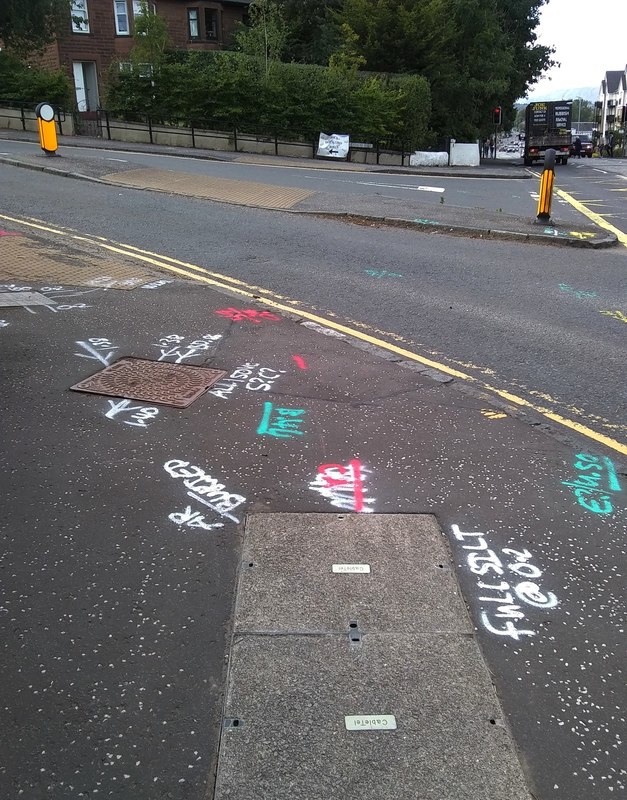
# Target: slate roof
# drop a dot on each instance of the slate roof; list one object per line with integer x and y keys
{"x": 613, "y": 80}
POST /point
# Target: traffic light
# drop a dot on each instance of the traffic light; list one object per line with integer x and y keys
{"x": 497, "y": 115}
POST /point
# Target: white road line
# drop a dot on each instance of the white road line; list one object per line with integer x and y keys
{"x": 600, "y": 170}
{"x": 438, "y": 189}
{"x": 123, "y": 160}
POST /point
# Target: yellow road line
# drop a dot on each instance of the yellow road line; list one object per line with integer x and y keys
{"x": 593, "y": 216}
{"x": 161, "y": 263}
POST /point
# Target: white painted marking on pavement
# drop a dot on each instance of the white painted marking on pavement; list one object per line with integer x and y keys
{"x": 123, "y": 160}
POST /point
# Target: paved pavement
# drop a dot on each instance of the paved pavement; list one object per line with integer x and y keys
{"x": 172, "y": 614}
{"x": 504, "y": 213}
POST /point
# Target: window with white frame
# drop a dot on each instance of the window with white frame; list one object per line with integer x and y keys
{"x": 192, "y": 23}
{"x": 80, "y": 20}
{"x": 138, "y": 6}
{"x": 120, "y": 10}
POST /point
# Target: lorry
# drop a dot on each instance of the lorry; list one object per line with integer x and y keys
{"x": 547, "y": 125}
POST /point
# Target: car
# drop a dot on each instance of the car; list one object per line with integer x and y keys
{"x": 586, "y": 146}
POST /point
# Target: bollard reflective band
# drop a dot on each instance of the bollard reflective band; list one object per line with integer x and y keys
{"x": 47, "y": 128}
{"x": 546, "y": 187}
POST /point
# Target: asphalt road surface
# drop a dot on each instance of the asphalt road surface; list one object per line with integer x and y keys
{"x": 545, "y": 322}
{"x": 119, "y": 618}
{"x": 511, "y": 196}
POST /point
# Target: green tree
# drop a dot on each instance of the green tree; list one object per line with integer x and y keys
{"x": 474, "y": 53}
{"x": 313, "y": 31}
{"x": 266, "y": 33}
{"x": 27, "y": 26}
{"x": 32, "y": 85}
{"x": 347, "y": 57}
{"x": 151, "y": 38}
{"x": 582, "y": 111}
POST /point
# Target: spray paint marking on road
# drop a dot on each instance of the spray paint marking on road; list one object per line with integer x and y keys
{"x": 491, "y": 414}
{"x": 382, "y": 273}
{"x": 512, "y": 597}
{"x": 343, "y": 486}
{"x": 281, "y": 423}
{"x": 300, "y": 363}
{"x": 203, "y": 486}
{"x": 142, "y": 414}
{"x": 565, "y": 287}
{"x": 95, "y": 350}
{"x": 253, "y": 377}
{"x": 172, "y": 346}
{"x": 588, "y": 487}
{"x": 248, "y": 315}
{"x": 615, "y": 315}
{"x": 234, "y": 285}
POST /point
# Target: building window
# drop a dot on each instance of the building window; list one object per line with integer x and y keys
{"x": 120, "y": 11}
{"x": 138, "y": 8}
{"x": 211, "y": 23}
{"x": 192, "y": 23}
{"x": 80, "y": 21}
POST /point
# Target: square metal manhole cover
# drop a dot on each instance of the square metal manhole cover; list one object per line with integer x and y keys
{"x": 176, "y": 385}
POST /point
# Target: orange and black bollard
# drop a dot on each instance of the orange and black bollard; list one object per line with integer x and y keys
{"x": 47, "y": 128}
{"x": 546, "y": 187}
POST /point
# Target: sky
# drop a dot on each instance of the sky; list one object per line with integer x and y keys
{"x": 589, "y": 39}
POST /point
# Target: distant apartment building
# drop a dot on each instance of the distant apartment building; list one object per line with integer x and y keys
{"x": 98, "y": 32}
{"x": 611, "y": 107}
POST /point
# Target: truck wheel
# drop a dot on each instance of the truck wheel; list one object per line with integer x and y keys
{"x": 565, "y": 161}
{"x": 527, "y": 162}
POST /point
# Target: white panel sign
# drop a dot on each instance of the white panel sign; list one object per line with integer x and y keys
{"x": 334, "y": 145}
{"x": 370, "y": 722}
{"x": 360, "y": 568}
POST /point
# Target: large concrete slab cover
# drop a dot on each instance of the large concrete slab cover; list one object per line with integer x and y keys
{"x": 291, "y": 586}
{"x": 290, "y": 695}
{"x": 297, "y": 670}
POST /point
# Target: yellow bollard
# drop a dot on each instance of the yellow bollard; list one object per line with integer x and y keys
{"x": 47, "y": 128}
{"x": 546, "y": 187}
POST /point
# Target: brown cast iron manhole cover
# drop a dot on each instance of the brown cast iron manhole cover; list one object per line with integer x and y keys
{"x": 176, "y": 385}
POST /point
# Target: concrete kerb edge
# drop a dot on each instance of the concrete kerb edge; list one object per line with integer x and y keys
{"x": 609, "y": 240}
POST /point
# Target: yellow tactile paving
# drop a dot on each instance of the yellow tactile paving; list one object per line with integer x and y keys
{"x": 29, "y": 260}
{"x": 246, "y": 193}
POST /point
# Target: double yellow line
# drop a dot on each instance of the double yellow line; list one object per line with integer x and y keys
{"x": 283, "y": 303}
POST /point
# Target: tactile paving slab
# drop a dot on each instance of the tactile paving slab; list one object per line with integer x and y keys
{"x": 28, "y": 259}
{"x": 176, "y": 385}
{"x": 248, "y": 193}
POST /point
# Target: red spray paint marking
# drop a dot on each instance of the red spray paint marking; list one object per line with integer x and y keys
{"x": 9, "y": 233}
{"x": 299, "y": 362}
{"x": 249, "y": 315}
{"x": 347, "y": 479}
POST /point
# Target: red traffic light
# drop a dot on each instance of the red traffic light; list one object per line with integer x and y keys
{"x": 497, "y": 115}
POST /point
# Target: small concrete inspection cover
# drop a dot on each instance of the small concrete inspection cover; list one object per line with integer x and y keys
{"x": 176, "y": 385}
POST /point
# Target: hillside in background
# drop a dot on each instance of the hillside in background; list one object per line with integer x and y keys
{"x": 589, "y": 93}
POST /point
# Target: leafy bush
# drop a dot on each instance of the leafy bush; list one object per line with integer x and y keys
{"x": 19, "y": 82}
{"x": 228, "y": 89}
